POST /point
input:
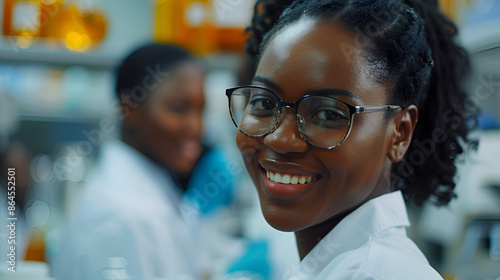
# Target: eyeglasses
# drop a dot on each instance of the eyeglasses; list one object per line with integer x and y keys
{"x": 323, "y": 121}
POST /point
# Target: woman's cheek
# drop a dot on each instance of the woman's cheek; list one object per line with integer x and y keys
{"x": 248, "y": 146}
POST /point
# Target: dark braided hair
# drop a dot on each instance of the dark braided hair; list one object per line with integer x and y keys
{"x": 410, "y": 45}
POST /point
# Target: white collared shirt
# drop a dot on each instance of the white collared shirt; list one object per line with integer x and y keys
{"x": 370, "y": 243}
{"x": 128, "y": 224}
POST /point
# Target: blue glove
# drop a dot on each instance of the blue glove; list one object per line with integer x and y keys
{"x": 254, "y": 260}
{"x": 212, "y": 182}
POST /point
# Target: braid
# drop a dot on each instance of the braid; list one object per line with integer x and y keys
{"x": 410, "y": 45}
{"x": 266, "y": 13}
{"x": 438, "y": 113}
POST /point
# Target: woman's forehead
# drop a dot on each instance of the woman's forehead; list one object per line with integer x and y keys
{"x": 313, "y": 54}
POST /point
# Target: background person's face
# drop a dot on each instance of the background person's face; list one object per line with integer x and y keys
{"x": 172, "y": 118}
{"x": 315, "y": 55}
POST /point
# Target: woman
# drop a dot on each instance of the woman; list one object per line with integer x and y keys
{"x": 353, "y": 106}
{"x": 131, "y": 218}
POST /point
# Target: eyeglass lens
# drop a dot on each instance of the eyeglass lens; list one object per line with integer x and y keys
{"x": 323, "y": 121}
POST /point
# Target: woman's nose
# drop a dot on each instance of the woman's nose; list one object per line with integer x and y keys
{"x": 194, "y": 124}
{"x": 286, "y": 137}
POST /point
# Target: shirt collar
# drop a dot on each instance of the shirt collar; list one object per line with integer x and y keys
{"x": 374, "y": 216}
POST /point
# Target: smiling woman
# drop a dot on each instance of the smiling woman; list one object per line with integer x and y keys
{"x": 129, "y": 217}
{"x": 328, "y": 128}
{"x": 162, "y": 102}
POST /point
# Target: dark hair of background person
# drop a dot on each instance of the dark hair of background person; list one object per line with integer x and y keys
{"x": 148, "y": 61}
{"x": 410, "y": 45}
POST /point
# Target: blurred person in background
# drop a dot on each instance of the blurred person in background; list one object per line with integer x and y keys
{"x": 13, "y": 154}
{"x": 328, "y": 128}
{"x": 130, "y": 218}
{"x": 16, "y": 156}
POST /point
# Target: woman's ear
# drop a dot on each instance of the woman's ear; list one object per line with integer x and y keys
{"x": 130, "y": 110}
{"x": 401, "y": 131}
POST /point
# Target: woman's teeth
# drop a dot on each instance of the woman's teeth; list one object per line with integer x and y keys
{"x": 288, "y": 179}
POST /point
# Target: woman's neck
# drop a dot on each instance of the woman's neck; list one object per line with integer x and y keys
{"x": 308, "y": 238}
{"x": 137, "y": 140}
{"x": 130, "y": 137}
{"x": 311, "y": 236}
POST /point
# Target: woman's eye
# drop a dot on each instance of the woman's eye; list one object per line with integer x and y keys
{"x": 177, "y": 108}
{"x": 264, "y": 104}
{"x": 329, "y": 115}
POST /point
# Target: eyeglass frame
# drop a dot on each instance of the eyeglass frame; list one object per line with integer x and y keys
{"x": 353, "y": 109}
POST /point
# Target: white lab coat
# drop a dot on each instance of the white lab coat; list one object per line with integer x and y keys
{"x": 370, "y": 243}
{"x": 127, "y": 224}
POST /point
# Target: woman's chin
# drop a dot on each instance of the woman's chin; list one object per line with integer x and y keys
{"x": 283, "y": 221}
{"x": 184, "y": 168}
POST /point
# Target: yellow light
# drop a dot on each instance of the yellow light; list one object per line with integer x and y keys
{"x": 78, "y": 42}
{"x": 24, "y": 40}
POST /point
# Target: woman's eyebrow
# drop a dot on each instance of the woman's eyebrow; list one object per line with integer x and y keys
{"x": 323, "y": 91}
{"x": 333, "y": 91}
{"x": 266, "y": 81}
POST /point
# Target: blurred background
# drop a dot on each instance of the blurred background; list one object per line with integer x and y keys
{"x": 57, "y": 63}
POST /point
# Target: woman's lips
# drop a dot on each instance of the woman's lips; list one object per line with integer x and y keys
{"x": 286, "y": 185}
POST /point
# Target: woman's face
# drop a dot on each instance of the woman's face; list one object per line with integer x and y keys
{"x": 316, "y": 55}
{"x": 172, "y": 118}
